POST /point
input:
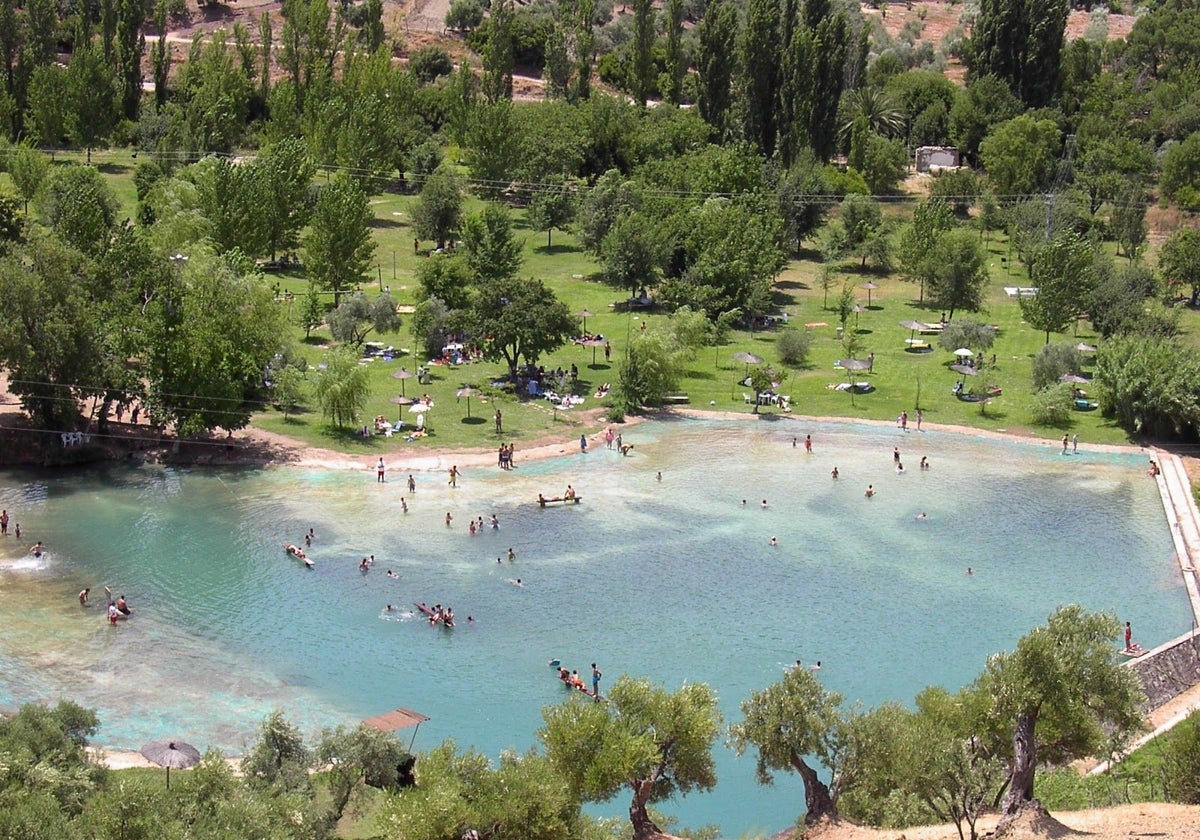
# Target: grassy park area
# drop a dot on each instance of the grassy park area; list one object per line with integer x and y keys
{"x": 902, "y": 379}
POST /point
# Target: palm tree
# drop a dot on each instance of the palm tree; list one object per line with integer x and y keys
{"x": 877, "y": 108}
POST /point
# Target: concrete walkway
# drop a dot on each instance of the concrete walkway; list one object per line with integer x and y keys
{"x": 1184, "y": 520}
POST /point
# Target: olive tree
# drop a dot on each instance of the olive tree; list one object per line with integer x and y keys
{"x": 463, "y": 794}
{"x": 655, "y": 742}
{"x": 1060, "y": 695}
{"x": 354, "y": 319}
{"x": 357, "y": 757}
{"x": 279, "y": 756}
{"x": 790, "y": 723}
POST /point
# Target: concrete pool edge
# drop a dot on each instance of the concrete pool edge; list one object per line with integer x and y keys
{"x": 1180, "y": 508}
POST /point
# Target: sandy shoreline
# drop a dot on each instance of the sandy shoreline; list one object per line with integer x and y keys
{"x": 431, "y": 460}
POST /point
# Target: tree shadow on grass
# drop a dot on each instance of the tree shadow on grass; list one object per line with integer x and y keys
{"x": 113, "y": 168}
{"x": 383, "y": 224}
{"x": 554, "y": 250}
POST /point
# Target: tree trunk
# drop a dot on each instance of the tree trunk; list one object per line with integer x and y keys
{"x": 817, "y": 800}
{"x": 643, "y": 826}
{"x": 1020, "y": 791}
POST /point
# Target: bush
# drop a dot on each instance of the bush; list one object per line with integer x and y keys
{"x": 464, "y": 15}
{"x": 1052, "y": 362}
{"x": 428, "y": 63}
{"x": 1052, "y": 406}
{"x": 793, "y": 346}
{"x": 1181, "y": 761}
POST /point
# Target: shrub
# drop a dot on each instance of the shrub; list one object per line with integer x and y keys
{"x": 1052, "y": 406}
{"x": 1181, "y": 761}
{"x": 1052, "y": 362}
{"x": 793, "y": 346}
{"x": 428, "y": 63}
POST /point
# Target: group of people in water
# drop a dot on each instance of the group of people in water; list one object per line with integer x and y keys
{"x": 118, "y": 608}
{"x": 571, "y": 679}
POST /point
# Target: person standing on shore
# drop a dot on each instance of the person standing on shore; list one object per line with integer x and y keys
{"x": 379, "y": 471}
{"x": 583, "y": 443}
{"x": 920, "y": 417}
{"x": 596, "y": 682}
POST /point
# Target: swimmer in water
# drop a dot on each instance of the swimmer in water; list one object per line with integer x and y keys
{"x": 870, "y": 491}
{"x": 83, "y": 596}
{"x": 392, "y": 574}
{"x": 834, "y": 473}
{"x": 970, "y": 571}
{"x": 764, "y": 504}
{"x": 495, "y": 522}
{"x": 743, "y": 502}
{"x": 388, "y": 608}
{"x": 658, "y": 477}
{"x": 921, "y": 516}
{"x": 37, "y": 549}
{"x": 512, "y": 555}
{"x": 773, "y": 541}
{"x": 449, "y": 519}
{"x": 816, "y": 667}
{"x": 516, "y": 582}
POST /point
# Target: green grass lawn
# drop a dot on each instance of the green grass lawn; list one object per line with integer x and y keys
{"x": 902, "y": 380}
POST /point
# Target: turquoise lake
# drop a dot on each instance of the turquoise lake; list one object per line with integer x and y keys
{"x": 673, "y": 580}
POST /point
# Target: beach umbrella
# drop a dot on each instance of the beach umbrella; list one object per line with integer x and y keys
{"x": 855, "y": 365}
{"x": 593, "y": 343}
{"x": 963, "y": 353}
{"x": 466, "y": 392}
{"x": 403, "y": 374}
{"x": 1085, "y": 348}
{"x": 912, "y": 327}
{"x": 401, "y": 401}
{"x": 749, "y": 359}
{"x": 870, "y": 287}
{"x": 419, "y": 409}
{"x": 584, "y": 314}
{"x": 965, "y": 370}
{"x": 858, "y": 307}
{"x": 170, "y": 754}
{"x": 1074, "y": 379}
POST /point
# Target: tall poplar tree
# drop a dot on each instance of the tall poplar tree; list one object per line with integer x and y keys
{"x": 717, "y": 63}
{"x": 498, "y": 53}
{"x": 760, "y": 52}
{"x": 585, "y": 42}
{"x": 641, "y": 68}
{"x": 1020, "y": 42}
{"x": 131, "y": 46}
{"x": 676, "y": 65}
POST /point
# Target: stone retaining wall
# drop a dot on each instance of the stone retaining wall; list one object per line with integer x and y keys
{"x": 1169, "y": 670}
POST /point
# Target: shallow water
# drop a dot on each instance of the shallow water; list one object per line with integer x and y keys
{"x": 672, "y": 580}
